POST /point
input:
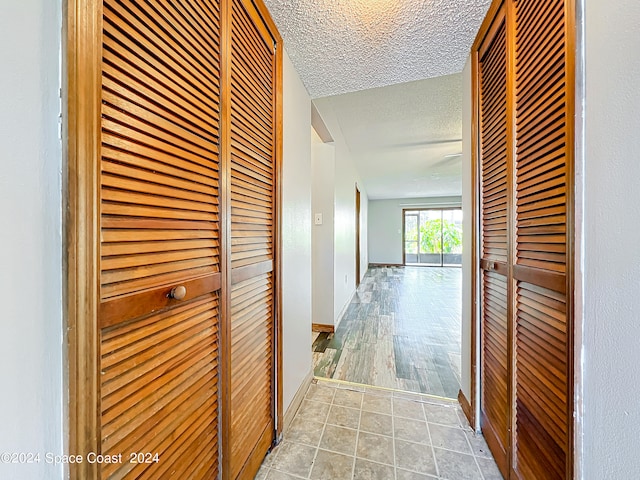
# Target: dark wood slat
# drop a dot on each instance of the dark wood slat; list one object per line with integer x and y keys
{"x": 116, "y": 310}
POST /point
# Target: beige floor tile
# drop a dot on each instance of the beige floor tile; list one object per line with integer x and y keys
{"x": 339, "y": 439}
{"x": 376, "y": 423}
{"x": 456, "y": 466}
{"x": 375, "y": 447}
{"x": 411, "y": 430}
{"x": 378, "y": 404}
{"x": 407, "y": 409}
{"x": 315, "y": 411}
{"x": 344, "y": 416}
{"x": 489, "y": 469}
{"x": 320, "y": 393}
{"x": 407, "y": 475}
{"x": 415, "y": 457}
{"x": 332, "y": 466}
{"x": 478, "y": 444}
{"x": 348, "y": 398}
{"x": 304, "y": 431}
{"x": 276, "y": 475}
{"x": 444, "y": 415}
{"x": 294, "y": 458}
{"x": 451, "y": 438}
{"x": 366, "y": 470}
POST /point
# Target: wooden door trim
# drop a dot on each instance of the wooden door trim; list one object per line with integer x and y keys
{"x": 82, "y": 100}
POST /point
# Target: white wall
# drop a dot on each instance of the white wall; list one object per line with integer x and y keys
{"x": 296, "y": 232}
{"x": 323, "y": 173}
{"x": 385, "y": 225}
{"x": 611, "y": 245}
{"x": 343, "y": 188}
{"x": 345, "y": 227}
{"x": 31, "y": 411}
{"x": 467, "y": 227}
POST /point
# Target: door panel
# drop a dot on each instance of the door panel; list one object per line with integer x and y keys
{"x": 159, "y": 227}
{"x": 494, "y": 214}
{"x": 526, "y": 204}
{"x": 543, "y": 146}
{"x": 252, "y": 184}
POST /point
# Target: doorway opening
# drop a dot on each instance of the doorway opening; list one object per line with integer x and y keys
{"x": 432, "y": 237}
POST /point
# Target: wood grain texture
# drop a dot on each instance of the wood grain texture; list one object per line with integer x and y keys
{"x": 495, "y": 249}
{"x": 82, "y": 28}
{"x": 536, "y": 286}
{"x": 251, "y": 166}
{"x": 160, "y": 228}
{"x": 543, "y": 438}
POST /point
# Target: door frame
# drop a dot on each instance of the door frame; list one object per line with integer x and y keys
{"x": 81, "y": 98}
{"x": 81, "y": 130}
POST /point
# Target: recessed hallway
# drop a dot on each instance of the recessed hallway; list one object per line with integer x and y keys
{"x": 345, "y": 431}
{"x": 401, "y": 331}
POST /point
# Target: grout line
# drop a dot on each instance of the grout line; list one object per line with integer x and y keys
{"x": 433, "y": 451}
{"x": 393, "y": 442}
{"x": 355, "y": 452}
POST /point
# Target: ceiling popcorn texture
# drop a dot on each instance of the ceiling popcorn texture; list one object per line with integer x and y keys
{"x": 340, "y": 46}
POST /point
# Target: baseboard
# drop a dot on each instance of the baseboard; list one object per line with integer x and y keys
{"x": 297, "y": 401}
{"x": 386, "y": 265}
{"x": 320, "y": 327}
{"x": 466, "y": 408}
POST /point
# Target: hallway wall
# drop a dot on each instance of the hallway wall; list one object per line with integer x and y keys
{"x": 31, "y": 352}
{"x": 323, "y": 159}
{"x": 296, "y": 232}
{"x": 610, "y": 241}
{"x": 339, "y": 180}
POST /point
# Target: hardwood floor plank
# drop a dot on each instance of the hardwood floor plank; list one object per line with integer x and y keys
{"x": 401, "y": 331}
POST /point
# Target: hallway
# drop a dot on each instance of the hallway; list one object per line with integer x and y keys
{"x": 401, "y": 331}
{"x": 343, "y": 431}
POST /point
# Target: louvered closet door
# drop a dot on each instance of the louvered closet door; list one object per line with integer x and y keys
{"x": 252, "y": 244}
{"x": 159, "y": 230}
{"x": 543, "y": 148}
{"x": 494, "y": 211}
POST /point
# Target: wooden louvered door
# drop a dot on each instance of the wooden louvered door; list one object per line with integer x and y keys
{"x": 543, "y": 361}
{"x": 251, "y": 166}
{"x": 495, "y": 251}
{"x": 525, "y": 165}
{"x": 159, "y": 229}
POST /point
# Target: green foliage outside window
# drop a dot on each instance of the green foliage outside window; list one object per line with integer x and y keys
{"x": 437, "y": 236}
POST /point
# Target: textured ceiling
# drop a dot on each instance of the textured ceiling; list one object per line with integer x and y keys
{"x": 340, "y": 46}
{"x": 404, "y": 139}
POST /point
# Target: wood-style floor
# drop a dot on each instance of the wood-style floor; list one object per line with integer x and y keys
{"x": 401, "y": 331}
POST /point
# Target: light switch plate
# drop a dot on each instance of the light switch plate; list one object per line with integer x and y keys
{"x": 317, "y": 219}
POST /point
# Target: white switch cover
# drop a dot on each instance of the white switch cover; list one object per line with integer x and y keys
{"x": 318, "y": 219}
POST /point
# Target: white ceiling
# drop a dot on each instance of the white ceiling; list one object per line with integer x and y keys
{"x": 346, "y": 50}
{"x": 402, "y": 137}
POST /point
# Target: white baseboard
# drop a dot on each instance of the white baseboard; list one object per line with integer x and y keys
{"x": 297, "y": 401}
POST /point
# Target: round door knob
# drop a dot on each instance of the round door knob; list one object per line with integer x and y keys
{"x": 178, "y": 292}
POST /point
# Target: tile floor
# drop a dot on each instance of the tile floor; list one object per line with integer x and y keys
{"x": 348, "y": 431}
{"x": 401, "y": 330}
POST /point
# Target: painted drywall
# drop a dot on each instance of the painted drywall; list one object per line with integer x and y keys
{"x": 467, "y": 227}
{"x": 346, "y": 179}
{"x": 337, "y": 189}
{"x": 296, "y": 233}
{"x": 385, "y": 225}
{"x": 611, "y": 252}
{"x": 31, "y": 373}
{"x": 323, "y": 173}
